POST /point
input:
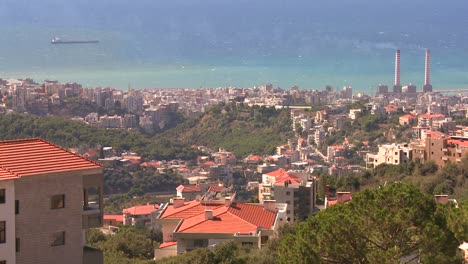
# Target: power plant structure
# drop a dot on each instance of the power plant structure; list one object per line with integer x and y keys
{"x": 427, "y": 88}
{"x": 409, "y": 89}
{"x": 397, "y": 84}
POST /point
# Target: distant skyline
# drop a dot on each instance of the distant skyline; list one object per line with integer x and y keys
{"x": 243, "y": 43}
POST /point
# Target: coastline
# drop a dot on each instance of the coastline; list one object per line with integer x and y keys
{"x": 209, "y": 76}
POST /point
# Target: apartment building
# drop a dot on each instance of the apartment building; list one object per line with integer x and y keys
{"x": 390, "y": 154}
{"x": 443, "y": 149}
{"x": 297, "y": 190}
{"x": 48, "y": 198}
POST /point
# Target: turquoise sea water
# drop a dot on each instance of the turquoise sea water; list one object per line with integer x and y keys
{"x": 156, "y": 44}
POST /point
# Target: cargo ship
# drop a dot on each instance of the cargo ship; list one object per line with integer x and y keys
{"x": 57, "y": 40}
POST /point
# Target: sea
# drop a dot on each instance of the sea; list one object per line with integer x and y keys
{"x": 243, "y": 43}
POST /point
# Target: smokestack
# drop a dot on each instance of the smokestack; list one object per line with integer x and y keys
{"x": 427, "y": 72}
{"x": 397, "y": 84}
{"x": 397, "y": 68}
{"x": 427, "y": 69}
{"x": 328, "y": 191}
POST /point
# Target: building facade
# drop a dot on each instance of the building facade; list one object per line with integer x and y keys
{"x": 51, "y": 197}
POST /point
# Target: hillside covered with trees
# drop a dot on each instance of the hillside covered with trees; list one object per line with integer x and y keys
{"x": 451, "y": 179}
{"x": 242, "y": 130}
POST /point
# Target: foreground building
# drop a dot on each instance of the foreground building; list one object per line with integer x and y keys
{"x": 49, "y": 197}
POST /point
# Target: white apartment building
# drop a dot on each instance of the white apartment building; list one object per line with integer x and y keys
{"x": 390, "y": 154}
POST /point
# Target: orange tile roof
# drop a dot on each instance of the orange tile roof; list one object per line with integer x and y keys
{"x": 117, "y": 218}
{"x": 281, "y": 176}
{"x": 407, "y": 116}
{"x": 7, "y": 175}
{"x": 255, "y": 158}
{"x": 255, "y": 214}
{"x": 189, "y": 209}
{"x": 167, "y": 244}
{"x": 188, "y": 188}
{"x": 238, "y": 218}
{"x": 278, "y": 173}
{"x": 26, "y": 157}
{"x": 141, "y": 209}
{"x": 431, "y": 116}
{"x": 458, "y": 142}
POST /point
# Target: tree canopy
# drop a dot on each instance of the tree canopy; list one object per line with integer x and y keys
{"x": 393, "y": 223}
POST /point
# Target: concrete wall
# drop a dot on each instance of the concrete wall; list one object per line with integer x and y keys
{"x": 165, "y": 252}
{"x": 7, "y": 214}
{"x": 36, "y": 221}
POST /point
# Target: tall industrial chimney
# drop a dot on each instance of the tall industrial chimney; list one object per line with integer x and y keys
{"x": 427, "y": 73}
{"x": 397, "y": 84}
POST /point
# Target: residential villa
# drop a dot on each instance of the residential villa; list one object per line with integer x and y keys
{"x": 209, "y": 222}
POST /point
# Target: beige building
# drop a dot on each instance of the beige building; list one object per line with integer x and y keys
{"x": 297, "y": 190}
{"x": 390, "y": 154}
{"x": 48, "y": 198}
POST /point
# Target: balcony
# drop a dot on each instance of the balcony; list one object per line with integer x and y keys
{"x": 459, "y": 150}
{"x": 92, "y": 202}
{"x": 444, "y": 150}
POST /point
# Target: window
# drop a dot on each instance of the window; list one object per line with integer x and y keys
{"x": 17, "y": 244}
{"x": 2, "y": 232}
{"x": 288, "y": 193}
{"x": 16, "y": 206}
{"x": 2, "y": 196}
{"x": 57, "y": 201}
{"x": 243, "y": 244}
{"x": 2, "y": 261}
{"x": 58, "y": 239}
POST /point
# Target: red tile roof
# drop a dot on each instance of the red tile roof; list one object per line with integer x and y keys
{"x": 141, "y": 209}
{"x": 6, "y": 175}
{"x": 282, "y": 176}
{"x": 278, "y": 173}
{"x": 458, "y": 142}
{"x": 238, "y": 218}
{"x": 431, "y": 116}
{"x": 26, "y": 157}
{"x": 189, "y": 209}
{"x": 407, "y": 117}
{"x": 188, "y": 188}
{"x": 117, "y": 218}
{"x": 255, "y": 214}
{"x": 167, "y": 244}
